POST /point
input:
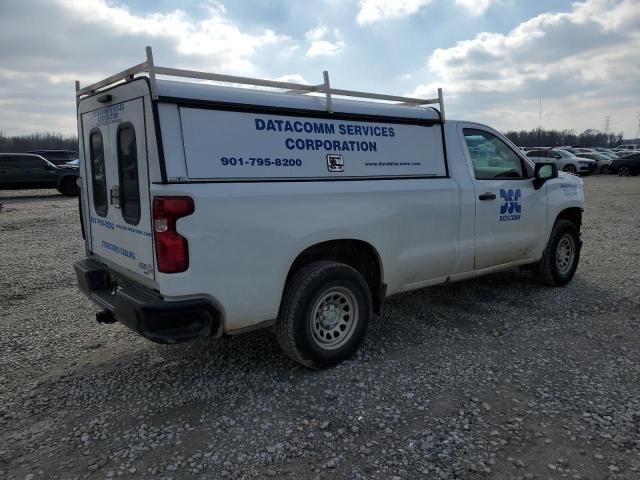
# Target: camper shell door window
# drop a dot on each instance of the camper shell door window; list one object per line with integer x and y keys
{"x": 128, "y": 173}
{"x": 98, "y": 173}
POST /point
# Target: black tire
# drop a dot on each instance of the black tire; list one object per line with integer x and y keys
{"x": 604, "y": 170}
{"x": 570, "y": 169}
{"x": 68, "y": 187}
{"x": 550, "y": 270}
{"x": 624, "y": 172}
{"x": 303, "y": 296}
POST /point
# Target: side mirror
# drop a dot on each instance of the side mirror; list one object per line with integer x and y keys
{"x": 544, "y": 172}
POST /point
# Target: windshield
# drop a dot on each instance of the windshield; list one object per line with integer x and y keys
{"x": 565, "y": 153}
{"x": 58, "y": 157}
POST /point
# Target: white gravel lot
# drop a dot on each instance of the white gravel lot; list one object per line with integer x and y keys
{"x": 493, "y": 378}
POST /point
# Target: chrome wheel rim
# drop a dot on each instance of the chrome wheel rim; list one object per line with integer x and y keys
{"x": 334, "y": 318}
{"x": 565, "y": 253}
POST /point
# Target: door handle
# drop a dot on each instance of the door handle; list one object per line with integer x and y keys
{"x": 115, "y": 196}
{"x": 487, "y": 196}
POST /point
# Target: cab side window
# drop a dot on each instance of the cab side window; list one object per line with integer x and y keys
{"x": 8, "y": 161}
{"x": 491, "y": 157}
{"x": 32, "y": 162}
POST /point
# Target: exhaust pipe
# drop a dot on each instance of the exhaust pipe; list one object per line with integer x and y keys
{"x": 105, "y": 316}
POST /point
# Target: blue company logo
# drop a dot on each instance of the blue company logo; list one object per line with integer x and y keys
{"x": 511, "y": 209}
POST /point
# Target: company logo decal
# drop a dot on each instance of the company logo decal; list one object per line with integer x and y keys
{"x": 335, "y": 163}
{"x": 511, "y": 208}
{"x": 569, "y": 189}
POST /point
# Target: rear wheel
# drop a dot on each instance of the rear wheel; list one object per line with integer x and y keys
{"x": 624, "y": 172}
{"x": 561, "y": 257}
{"x": 604, "y": 170}
{"x": 570, "y": 169}
{"x": 324, "y": 315}
{"x": 69, "y": 187}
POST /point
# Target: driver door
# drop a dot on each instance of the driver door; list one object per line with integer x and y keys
{"x": 510, "y": 213}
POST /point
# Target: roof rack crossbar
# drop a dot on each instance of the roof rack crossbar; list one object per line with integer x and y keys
{"x": 327, "y": 91}
{"x": 294, "y": 88}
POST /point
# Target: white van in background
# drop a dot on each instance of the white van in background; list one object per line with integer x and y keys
{"x": 211, "y": 210}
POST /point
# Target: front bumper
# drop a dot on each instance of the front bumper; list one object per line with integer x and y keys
{"x": 144, "y": 310}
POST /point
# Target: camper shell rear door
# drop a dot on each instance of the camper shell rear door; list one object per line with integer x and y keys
{"x": 116, "y": 180}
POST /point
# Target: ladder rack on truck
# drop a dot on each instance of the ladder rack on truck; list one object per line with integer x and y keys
{"x": 291, "y": 88}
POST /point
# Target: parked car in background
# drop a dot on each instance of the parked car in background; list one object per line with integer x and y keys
{"x": 57, "y": 157}
{"x": 629, "y": 165}
{"x": 26, "y": 170}
{"x": 575, "y": 150}
{"x": 565, "y": 160}
{"x": 591, "y": 164}
{"x": 627, "y": 149}
{"x": 602, "y": 160}
{"x": 609, "y": 154}
{"x": 606, "y": 151}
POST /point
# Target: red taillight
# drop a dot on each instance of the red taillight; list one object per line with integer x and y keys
{"x": 172, "y": 250}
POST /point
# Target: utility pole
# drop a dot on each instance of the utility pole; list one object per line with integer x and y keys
{"x": 607, "y": 124}
{"x": 638, "y": 125}
{"x": 539, "y": 120}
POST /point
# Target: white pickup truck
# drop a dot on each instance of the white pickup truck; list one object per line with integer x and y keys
{"x": 211, "y": 210}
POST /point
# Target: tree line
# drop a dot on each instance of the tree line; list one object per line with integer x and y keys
{"x": 37, "y": 141}
{"x": 555, "y": 138}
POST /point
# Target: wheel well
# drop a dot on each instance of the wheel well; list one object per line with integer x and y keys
{"x": 573, "y": 214}
{"x": 358, "y": 254}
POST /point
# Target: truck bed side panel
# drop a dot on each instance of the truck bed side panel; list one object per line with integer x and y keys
{"x": 243, "y": 237}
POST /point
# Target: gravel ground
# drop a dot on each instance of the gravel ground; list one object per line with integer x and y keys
{"x": 494, "y": 378}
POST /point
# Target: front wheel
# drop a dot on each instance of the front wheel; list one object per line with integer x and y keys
{"x": 570, "y": 169}
{"x": 324, "y": 315}
{"x": 68, "y": 187}
{"x": 561, "y": 257}
{"x": 624, "y": 172}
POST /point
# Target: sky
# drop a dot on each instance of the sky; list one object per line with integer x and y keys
{"x": 497, "y": 61}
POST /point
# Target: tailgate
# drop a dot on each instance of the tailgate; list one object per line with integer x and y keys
{"x": 117, "y": 187}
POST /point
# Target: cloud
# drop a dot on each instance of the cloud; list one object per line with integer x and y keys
{"x": 91, "y": 39}
{"x": 293, "y": 78}
{"x": 215, "y": 37}
{"x": 591, "y": 53}
{"x": 320, "y": 46}
{"x": 371, "y": 11}
{"x": 475, "y": 7}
